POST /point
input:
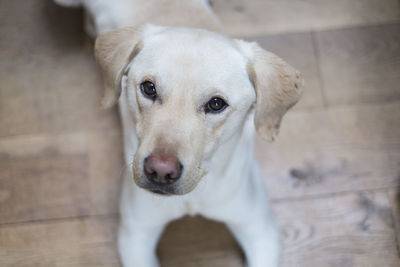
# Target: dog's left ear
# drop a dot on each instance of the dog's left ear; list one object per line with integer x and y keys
{"x": 114, "y": 50}
{"x": 278, "y": 87}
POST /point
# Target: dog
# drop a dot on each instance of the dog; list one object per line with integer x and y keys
{"x": 191, "y": 100}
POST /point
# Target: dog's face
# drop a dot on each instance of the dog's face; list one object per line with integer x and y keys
{"x": 188, "y": 91}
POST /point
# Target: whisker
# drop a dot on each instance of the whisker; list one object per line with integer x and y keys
{"x": 124, "y": 168}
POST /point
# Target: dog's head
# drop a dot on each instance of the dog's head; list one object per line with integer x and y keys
{"x": 187, "y": 92}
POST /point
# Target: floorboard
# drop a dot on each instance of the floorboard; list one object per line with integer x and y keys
{"x": 343, "y": 148}
{"x": 344, "y": 230}
{"x": 48, "y": 78}
{"x": 360, "y": 65}
{"x": 257, "y": 17}
{"x": 73, "y": 242}
{"x": 43, "y": 177}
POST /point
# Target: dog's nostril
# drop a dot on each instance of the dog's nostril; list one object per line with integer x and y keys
{"x": 168, "y": 178}
{"x": 162, "y": 169}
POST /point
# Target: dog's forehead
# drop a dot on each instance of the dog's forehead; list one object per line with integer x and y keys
{"x": 193, "y": 56}
{"x": 179, "y": 36}
{"x": 191, "y": 44}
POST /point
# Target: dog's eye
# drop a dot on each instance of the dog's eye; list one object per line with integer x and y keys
{"x": 215, "y": 105}
{"x": 148, "y": 89}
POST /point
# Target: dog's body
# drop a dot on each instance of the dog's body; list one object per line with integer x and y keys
{"x": 106, "y": 15}
{"x": 163, "y": 77}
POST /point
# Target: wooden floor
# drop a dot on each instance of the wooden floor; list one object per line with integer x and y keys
{"x": 333, "y": 175}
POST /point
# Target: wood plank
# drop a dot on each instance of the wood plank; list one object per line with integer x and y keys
{"x": 43, "y": 176}
{"x": 360, "y": 65}
{"x": 59, "y": 175}
{"x": 48, "y": 78}
{"x": 106, "y": 170}
{"x": 333, "y": 150}
{"x": 257, "y": 17}
{"x": 344, "y": 230}
{"x": 76, "y": 242}
{"x": 298, "y": 51}
{"x": 394, "y": 196}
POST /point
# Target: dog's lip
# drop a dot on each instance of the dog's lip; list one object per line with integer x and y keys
{"x": 158, "y": 192}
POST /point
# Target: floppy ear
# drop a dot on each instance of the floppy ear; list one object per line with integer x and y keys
{"x": 277, "y": 84}
{"x": 114, "y": 51}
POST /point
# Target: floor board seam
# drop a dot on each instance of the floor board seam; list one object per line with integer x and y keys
{"x": 332, "y": 194}
{"x": 58, "y": 220}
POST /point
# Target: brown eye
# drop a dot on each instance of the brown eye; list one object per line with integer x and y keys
{"x": 148, "y": 89}
{"x": 215, "y": 105}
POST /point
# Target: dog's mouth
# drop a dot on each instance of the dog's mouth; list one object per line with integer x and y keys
{"x": 158, "y": 190}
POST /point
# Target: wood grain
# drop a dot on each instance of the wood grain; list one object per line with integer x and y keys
{"x": 48, "y": 78}
{"x": 256, "y": 17}
{"x": 360, "y": 65}
{"x": 339, "y": 149}
{"x": 346, "y": 230}
{"x": 394, "y": 196}
{"x": 75, "y": 242}
{"x": 43, "y": 176}
{"x": 106, "y": 170}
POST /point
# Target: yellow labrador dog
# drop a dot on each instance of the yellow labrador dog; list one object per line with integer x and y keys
{"x": 190, "y": 100}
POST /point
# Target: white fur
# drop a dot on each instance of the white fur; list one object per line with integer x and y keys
{"x": 232, "y": 190}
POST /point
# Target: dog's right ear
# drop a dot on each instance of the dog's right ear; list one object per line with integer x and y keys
{"x": 278, "y": 87}
{"x": 114, "y": 50}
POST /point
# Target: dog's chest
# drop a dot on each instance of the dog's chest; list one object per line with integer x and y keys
{"x": 197, "y": 204}
{"x": 191, "y": 208}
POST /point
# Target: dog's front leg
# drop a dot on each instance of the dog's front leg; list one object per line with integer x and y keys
{"x": 136, "y": 244}
{"x": 259, "y": 240}
{"x": 143, "y": 219}
{"x": 249, "y": 218}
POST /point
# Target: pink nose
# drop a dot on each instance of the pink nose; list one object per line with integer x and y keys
{"x": 162, "y": 169}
